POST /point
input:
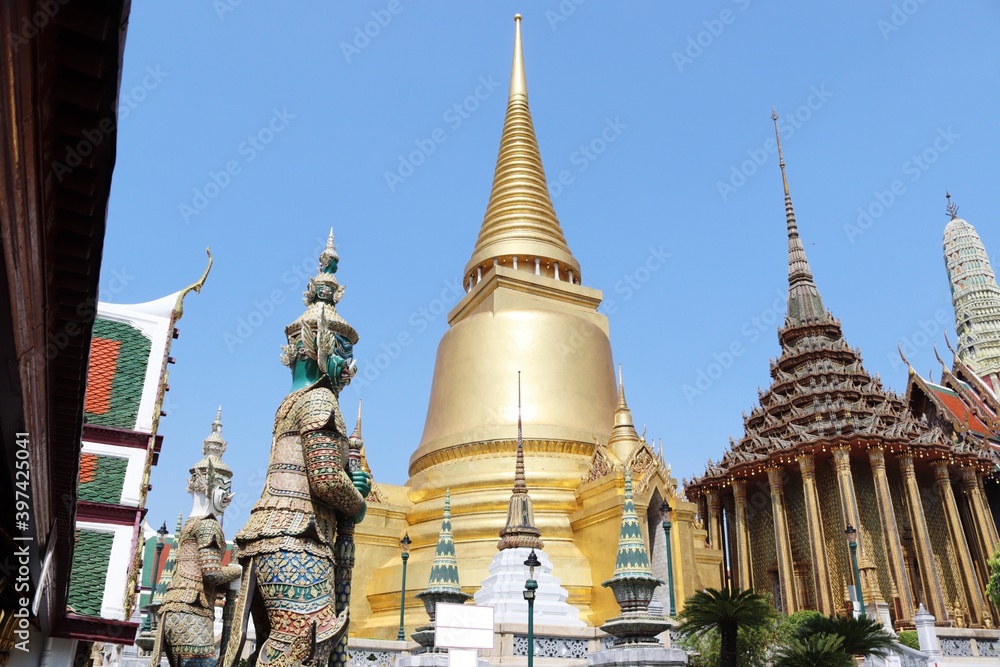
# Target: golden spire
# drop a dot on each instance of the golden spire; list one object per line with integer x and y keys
{"x": 624, "y": 437}
{"x": 518, "y": 84}
{"x": 623, "y": 416}
{"x": 520, "y": 530}
{"x": 357, "y": 427}
{"x": 804, "y": 302}
{"x": 520, "y": 220}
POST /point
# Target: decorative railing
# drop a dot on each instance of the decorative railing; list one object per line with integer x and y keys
{"x": 910, "y": 657}
{"x": 969, "y": 643}
{"x": 989, "y": 648}
{"x": 956, "y": 647}
{"x": 552, "y": 647}
{"x": 376, "y": 652}
{"x": 374, "y": 657}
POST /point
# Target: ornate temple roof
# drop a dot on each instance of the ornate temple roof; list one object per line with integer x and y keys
{"x": 961, "y": 408}
{"x": 975, "y": 385}
{"x": 520, "y": 220}
{"x": 820, "y": 392}
{"x": 975, "y": 297}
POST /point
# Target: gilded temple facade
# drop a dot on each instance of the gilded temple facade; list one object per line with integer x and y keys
{"x": 526, "y": 309}
{"x": 828, "y": 446}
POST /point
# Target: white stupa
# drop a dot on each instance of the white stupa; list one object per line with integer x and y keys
{"x": 503, "y": 589}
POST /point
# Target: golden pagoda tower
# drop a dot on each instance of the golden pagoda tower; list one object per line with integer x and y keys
{"x": 525, "y": 310}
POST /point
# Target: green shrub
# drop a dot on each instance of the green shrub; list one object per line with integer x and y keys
{"x": 816, "y": 650}
{"x": 752, "y": 644}
{"x": 993, "y": 585}
{"x": 862, "y": 636}
{"x": 909, "y": 638}
{"x": 788, "y": 627}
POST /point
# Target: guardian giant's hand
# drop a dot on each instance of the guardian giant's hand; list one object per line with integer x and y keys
{"x": 363, "y": 483}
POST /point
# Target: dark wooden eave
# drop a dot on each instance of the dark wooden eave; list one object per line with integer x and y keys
{"x": 89, "y": 629}
{"x": 119, "y": 515}
{"x": 61, "y": 66}
{"x": 108, "y": 435}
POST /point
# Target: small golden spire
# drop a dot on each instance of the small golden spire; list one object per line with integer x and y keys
{"x": 518, "y": 82}
{"x": 623, "y": 434}
{"x": 804, "y": 302}
{"x": 781, "y": 157}
{"x": 520, "y": 220}
{"x": 621, "y": 390}
{"x": 520, "y": 530}
{"x": 952, "y": 208}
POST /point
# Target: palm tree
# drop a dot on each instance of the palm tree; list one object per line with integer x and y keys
{"x": 726, "y": 611}
{"x": 822, "y": 650}
{"x": 863, "y": 636}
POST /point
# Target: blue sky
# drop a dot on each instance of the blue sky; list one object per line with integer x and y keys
{"x": 254, "y": 129}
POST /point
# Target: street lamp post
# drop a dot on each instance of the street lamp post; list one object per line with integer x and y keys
{"x": 665, "y": 510}
{"x": 404, "y": 547}
{"x": 161, "y": 539}
{"x": 853, "y": 544}
{"x": 530, "y": 586}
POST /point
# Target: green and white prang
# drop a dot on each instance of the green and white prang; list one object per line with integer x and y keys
{"x": 632, "y": 560}
{"x": 975, "y": 296}
{"x": 444, "y": 570}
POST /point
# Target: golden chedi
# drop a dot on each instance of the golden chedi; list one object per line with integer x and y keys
{"x": 525, "y": 310}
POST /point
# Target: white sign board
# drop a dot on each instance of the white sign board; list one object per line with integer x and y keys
{"x": 466, "y": 657}
{"x": 463, "y": 626}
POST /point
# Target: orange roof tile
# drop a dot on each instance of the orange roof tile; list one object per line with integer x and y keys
{"x": 958, "y": 408}
{"x": 101, "y": 375}
{"x": 88, "y": 468}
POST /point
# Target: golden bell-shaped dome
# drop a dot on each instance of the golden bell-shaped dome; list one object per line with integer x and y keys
{"x": 565, "y": 361}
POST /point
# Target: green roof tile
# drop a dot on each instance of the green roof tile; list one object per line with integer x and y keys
{"x": 125, "y": 373}
{"x": 102, "y": 478}
{"x": 90, "y": 571}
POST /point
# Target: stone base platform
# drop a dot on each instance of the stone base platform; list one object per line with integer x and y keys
{"x": 638, "y": 655}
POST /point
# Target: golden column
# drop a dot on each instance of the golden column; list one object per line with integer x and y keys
{"x": 714, "y": 525}
{"x": 974, "y": 596}
{"x": 990, "y": 524}
{"x": 922, "y": 541}
{"x": 782, "y": 543}
{"x": 893, "y": 543}
{"x": 849, "y": 501}
{"x": 984, "y": 529}
{"x": 743, "y": 571}
{"x": 821, "y": 569}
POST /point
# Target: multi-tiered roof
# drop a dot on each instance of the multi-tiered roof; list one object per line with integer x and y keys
{"x": 820, "y": 395}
